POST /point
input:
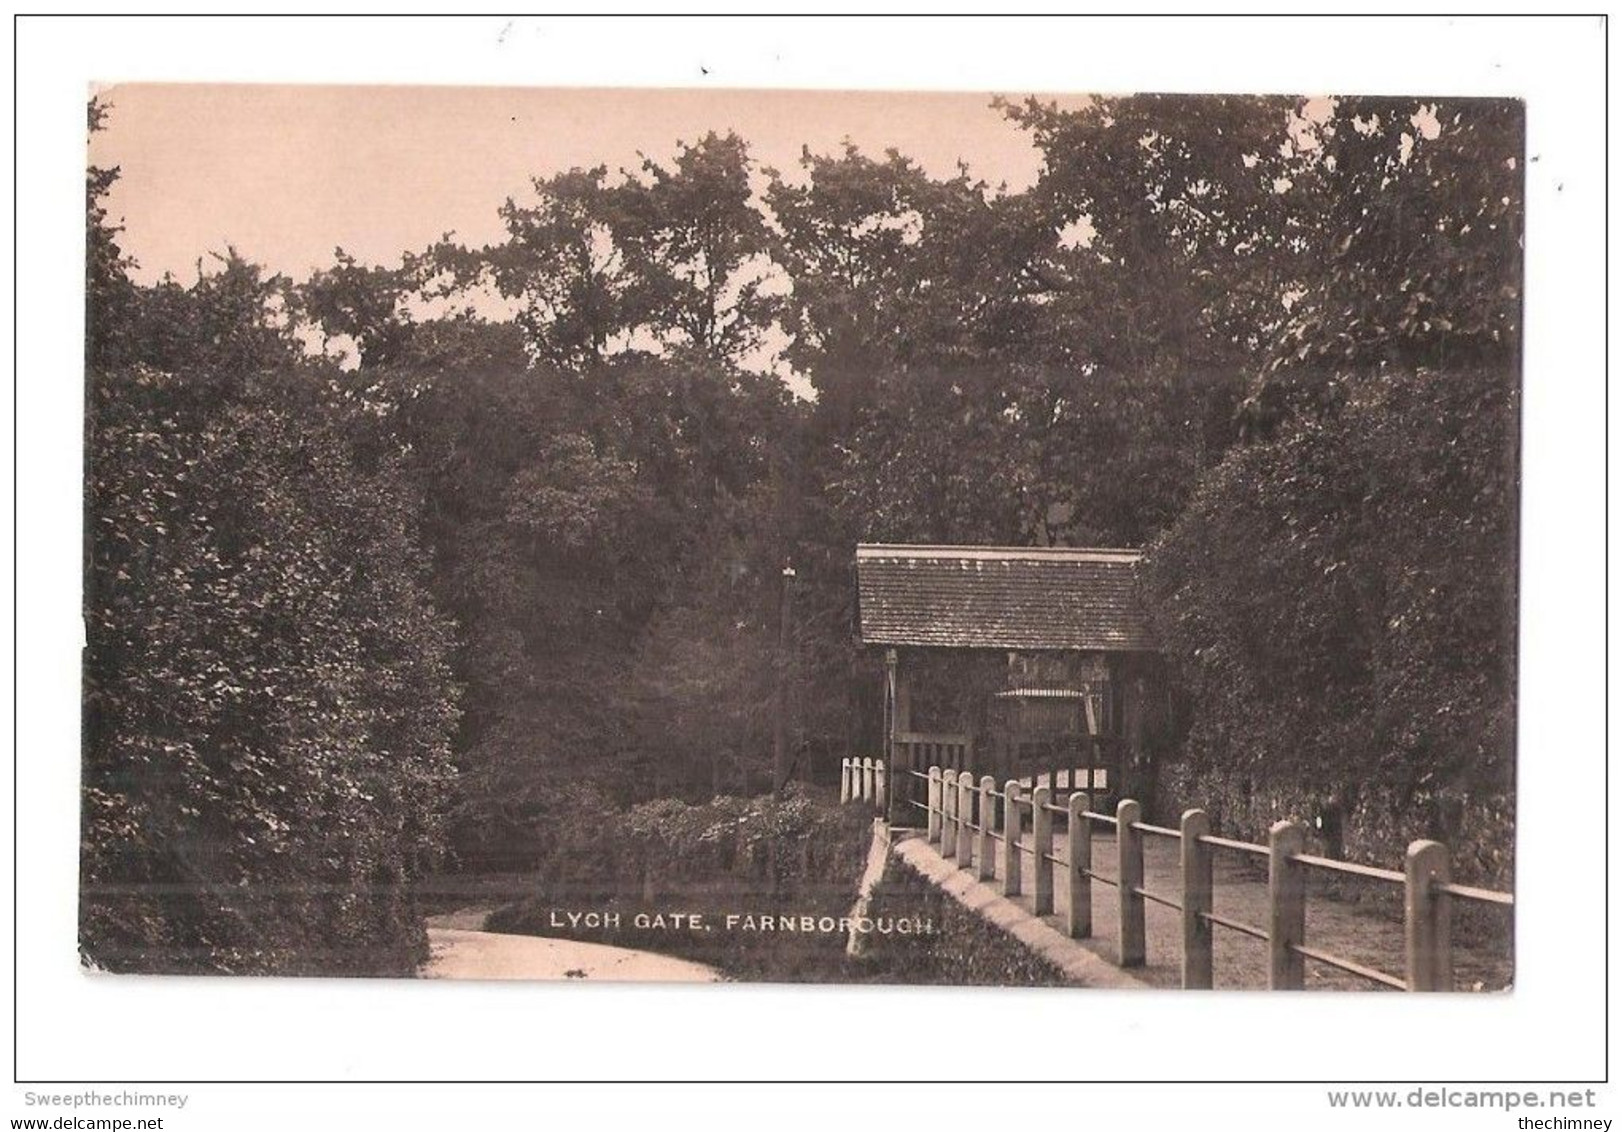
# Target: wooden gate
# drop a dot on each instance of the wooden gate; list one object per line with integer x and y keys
{"x": 912, "y": 753}
{"x": 1064, "y": 762}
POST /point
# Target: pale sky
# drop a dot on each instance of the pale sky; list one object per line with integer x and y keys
{"x": 286, "y": 173}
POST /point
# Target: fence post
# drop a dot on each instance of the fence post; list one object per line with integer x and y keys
{"x": 1012, "y": 823}
{"x": 1197, "y": 883}
{"x": 948, "y": 814}
{"x": 844, "y": 780}
{"x": 965, "y": 819}
{"x": 881, "y": 787}
{"x": 1286, "y": 906}
{"x": 1042, "y": 851}
{"x": 1128, "y": 880}
{"x": 1428, "y": 914}
{"x": 932, "y": 827}
{"x": 869, "y": 783}
{"x": 1079, "y": 920}
{"x": 986, "y": 852}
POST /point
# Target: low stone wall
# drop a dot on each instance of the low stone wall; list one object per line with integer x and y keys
{"x": 878, "y": 856}
{"x": 1074, "y": 961}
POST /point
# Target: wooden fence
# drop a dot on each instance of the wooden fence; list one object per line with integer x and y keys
{"x": 971, "y": 821}
{"x": 863, "y": 780}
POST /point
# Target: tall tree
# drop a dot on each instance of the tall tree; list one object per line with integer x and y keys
{"x": 695, "y": 249}
{"x": 583, "y": 466}
{"x": 558, "y": 266}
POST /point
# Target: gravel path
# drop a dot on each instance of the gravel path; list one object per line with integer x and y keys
{"x": 462, "y": 953}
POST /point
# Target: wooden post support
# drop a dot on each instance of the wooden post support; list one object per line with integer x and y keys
{"x": 932, "y": 830}
{"x": 844, "y": 781}
{"x": 1286, "y": 907}
{"x": 1012, "y": 825}
{"x": 985, "y": 852}
{"x": 1042, "y": 851}
{"x": 1079, "y": 917}
{"x": 965, "y": 818}
{"x": 1197, "y": 885}
{"x": 948, "y": 814}
{"x": 1132, "y": 946}
{"x": 1429, "y": 918}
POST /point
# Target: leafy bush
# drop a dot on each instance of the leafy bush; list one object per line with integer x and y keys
{"x": 268, "y": 706}
{"x": 267, "y": 698}
{"x": 766, "y": 841}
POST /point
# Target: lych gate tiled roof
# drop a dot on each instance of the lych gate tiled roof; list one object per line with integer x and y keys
{"x": 997, "y": 597}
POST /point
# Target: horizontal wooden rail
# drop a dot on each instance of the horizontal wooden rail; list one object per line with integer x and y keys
{"x": 1105, "y": 818}
{"x": 1236, "y": 926}
{"x": 1156, "y": 898}
{"x": 1484, "y": 895}
{"x": 1230, "y": 843}
{"x": 1351, "y": 968}
{"x": 931, "y": 738}
{"x": 1351, "y": 868}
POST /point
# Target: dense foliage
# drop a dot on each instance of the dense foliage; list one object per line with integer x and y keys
{"x": 268, "y": 702}
{"x": 1275, "y": 340}
{"x": 1341, "y": 588}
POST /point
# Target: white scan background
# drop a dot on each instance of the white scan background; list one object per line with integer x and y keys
{"x": 78, "y": 1027}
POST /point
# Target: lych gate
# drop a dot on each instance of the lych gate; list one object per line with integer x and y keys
{"x": 1033, "y": 663}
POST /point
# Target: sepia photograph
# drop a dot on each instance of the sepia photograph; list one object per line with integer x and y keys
{"x": 1004, "y": 538}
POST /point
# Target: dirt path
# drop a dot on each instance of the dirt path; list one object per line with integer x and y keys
{"x": 461, "y": 951}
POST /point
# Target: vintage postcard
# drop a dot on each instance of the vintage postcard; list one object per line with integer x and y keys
{"x": 1014, "y": 539}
